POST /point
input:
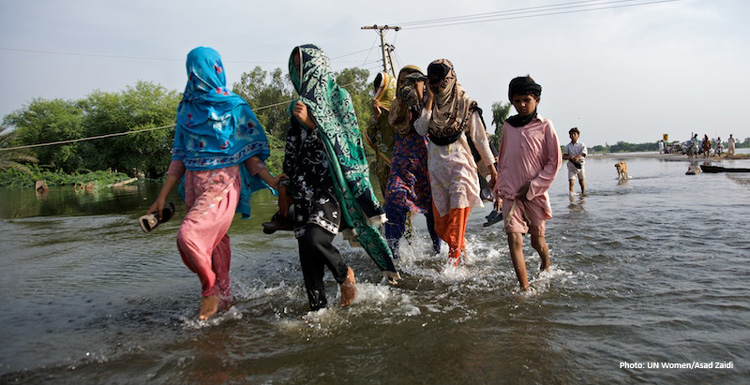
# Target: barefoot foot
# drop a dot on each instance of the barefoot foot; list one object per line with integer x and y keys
{"x": 209, "y": 307}
{"x": 225, "y": 304}
{"x": 348, "y": 289}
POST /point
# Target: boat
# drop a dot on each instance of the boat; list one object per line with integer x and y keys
{"x": 718, "y": 169}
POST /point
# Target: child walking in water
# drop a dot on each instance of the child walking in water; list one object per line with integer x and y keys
{"x": 219, "y": 148}
{"x": 529, "y": 160}
{"x": 575, "y": 153}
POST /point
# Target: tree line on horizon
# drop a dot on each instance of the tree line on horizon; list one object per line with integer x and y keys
{"x": 142, "y": 106}
{"x": 149, "y": 105}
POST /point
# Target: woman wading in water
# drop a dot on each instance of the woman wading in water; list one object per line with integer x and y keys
{"x": 219, "y": 149}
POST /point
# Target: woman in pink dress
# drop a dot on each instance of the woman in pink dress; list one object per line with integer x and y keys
{"x": 218, "y": 151}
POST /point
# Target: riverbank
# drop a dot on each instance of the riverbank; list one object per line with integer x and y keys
{"x": 667, "y": 157}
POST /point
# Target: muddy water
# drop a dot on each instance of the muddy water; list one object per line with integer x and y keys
{"x": 650, "y": 272}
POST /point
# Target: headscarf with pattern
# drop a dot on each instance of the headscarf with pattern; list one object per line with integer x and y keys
{"x": 215, "y": 127}
{"x": 386, "y": 89}
{"x": 451, "y": 108}
{"x": 380, "y": 133}
{"x": 331, "y": 107}
{"x": 408, "y": 105}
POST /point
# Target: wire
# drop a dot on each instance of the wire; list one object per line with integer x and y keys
{"x": 120, "y": 56}
{"x": 131, "y": 132}
{"x": 371, "y": 48}
{"x": 153, "y": 58}
{"x": 497, "y": 13}
{"x": 353, "y": 53}
{"x": 530, "y": 12}
{"x": 85, "y": 139}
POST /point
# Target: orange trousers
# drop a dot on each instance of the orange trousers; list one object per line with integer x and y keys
{"x": 451, "y": 228}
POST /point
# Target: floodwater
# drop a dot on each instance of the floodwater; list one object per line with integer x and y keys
{"x": 648, "y": 276}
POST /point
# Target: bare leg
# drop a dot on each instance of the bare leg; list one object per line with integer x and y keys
{"x": 515, "y": 242}
{"x": 209, "y": 307}
{"x": 571, "y": 185}
{"x": 348, "y": 289}
{"x": 540, "y": 245}
{"x": 583, "y": 186}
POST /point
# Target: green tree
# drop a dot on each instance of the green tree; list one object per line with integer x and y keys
{"x": 633, "y": 147}
{"x": 269, "y": 96}
{"x": 500, "y": 112}
{"x": 354, "y": 80}
{"x": 145, "y": 105}
{"x": 599, "y": 148}
{"x": 13, "y": 159}
{"x": 45, "y": 121}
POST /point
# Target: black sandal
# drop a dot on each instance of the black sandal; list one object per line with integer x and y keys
{"x": 278, "y": 223}
{"x": 149, "y": 222}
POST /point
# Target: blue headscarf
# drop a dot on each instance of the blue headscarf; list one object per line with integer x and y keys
{"x": 215, "y": 127}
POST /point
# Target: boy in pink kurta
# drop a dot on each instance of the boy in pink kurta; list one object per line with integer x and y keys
{"x": 529, "y": 160}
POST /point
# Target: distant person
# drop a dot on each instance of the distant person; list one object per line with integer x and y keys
{"x": 453, "y": 123}
{"x": 695, "y": 146}
{"x": 731, "y": 142}
{"x": 706, "y": 146}
{"x": 575, "y": 153}
{"x": 408, "y": 187}
{"x": 529, "y": 160}
{"x": 719, "y": 146}
{"x": 661, "y": 147}
{"x": 219, "y": 149}
{"x": 329, "y": 182}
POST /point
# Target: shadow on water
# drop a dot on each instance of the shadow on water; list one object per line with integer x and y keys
{"x": 647, "y": 270}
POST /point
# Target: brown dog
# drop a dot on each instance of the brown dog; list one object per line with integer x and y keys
{"x": 622, "y": 170}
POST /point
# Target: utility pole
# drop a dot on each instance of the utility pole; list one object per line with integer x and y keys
{"x": 385, "y": 49}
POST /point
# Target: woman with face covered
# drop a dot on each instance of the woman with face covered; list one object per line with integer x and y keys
{"x": 218, "y": 152}
{"x": 408, "y": 187}
{"x": 380, "y": 134}
{"x": 453, "y": 123}
{"x": 328, "y": 179}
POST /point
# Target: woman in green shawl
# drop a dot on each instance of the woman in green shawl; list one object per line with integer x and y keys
{"x": 328, "y": 179}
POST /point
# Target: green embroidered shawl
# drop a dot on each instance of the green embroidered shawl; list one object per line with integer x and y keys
{"x": 331, "y": 107}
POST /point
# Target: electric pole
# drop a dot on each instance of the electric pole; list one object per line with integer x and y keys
{"x": 385, "y": 49}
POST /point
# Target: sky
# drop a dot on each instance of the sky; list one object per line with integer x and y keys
{"x": 628, "y": 71}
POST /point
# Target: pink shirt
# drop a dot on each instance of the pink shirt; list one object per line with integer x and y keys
{"x": 529, "y": 153}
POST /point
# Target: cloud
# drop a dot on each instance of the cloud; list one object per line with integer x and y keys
{"x": 619, "y": 74}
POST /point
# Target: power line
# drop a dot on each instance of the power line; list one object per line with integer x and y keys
{"x": 386, "y": 49}
{"x": 63, "y": 53}
{"x": 499, "y": 13}
{"x": 525, "y": 13}
{"x": 85, "y": 139}
{"x": 130, "y": 132}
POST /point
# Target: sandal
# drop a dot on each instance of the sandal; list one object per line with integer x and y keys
{"x": 149, "y": 222}
{"x": 278, "y": 223}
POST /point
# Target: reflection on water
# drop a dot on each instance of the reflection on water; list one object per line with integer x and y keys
{"x": 67, "y": 200}
{"x": 649, "y": 270}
